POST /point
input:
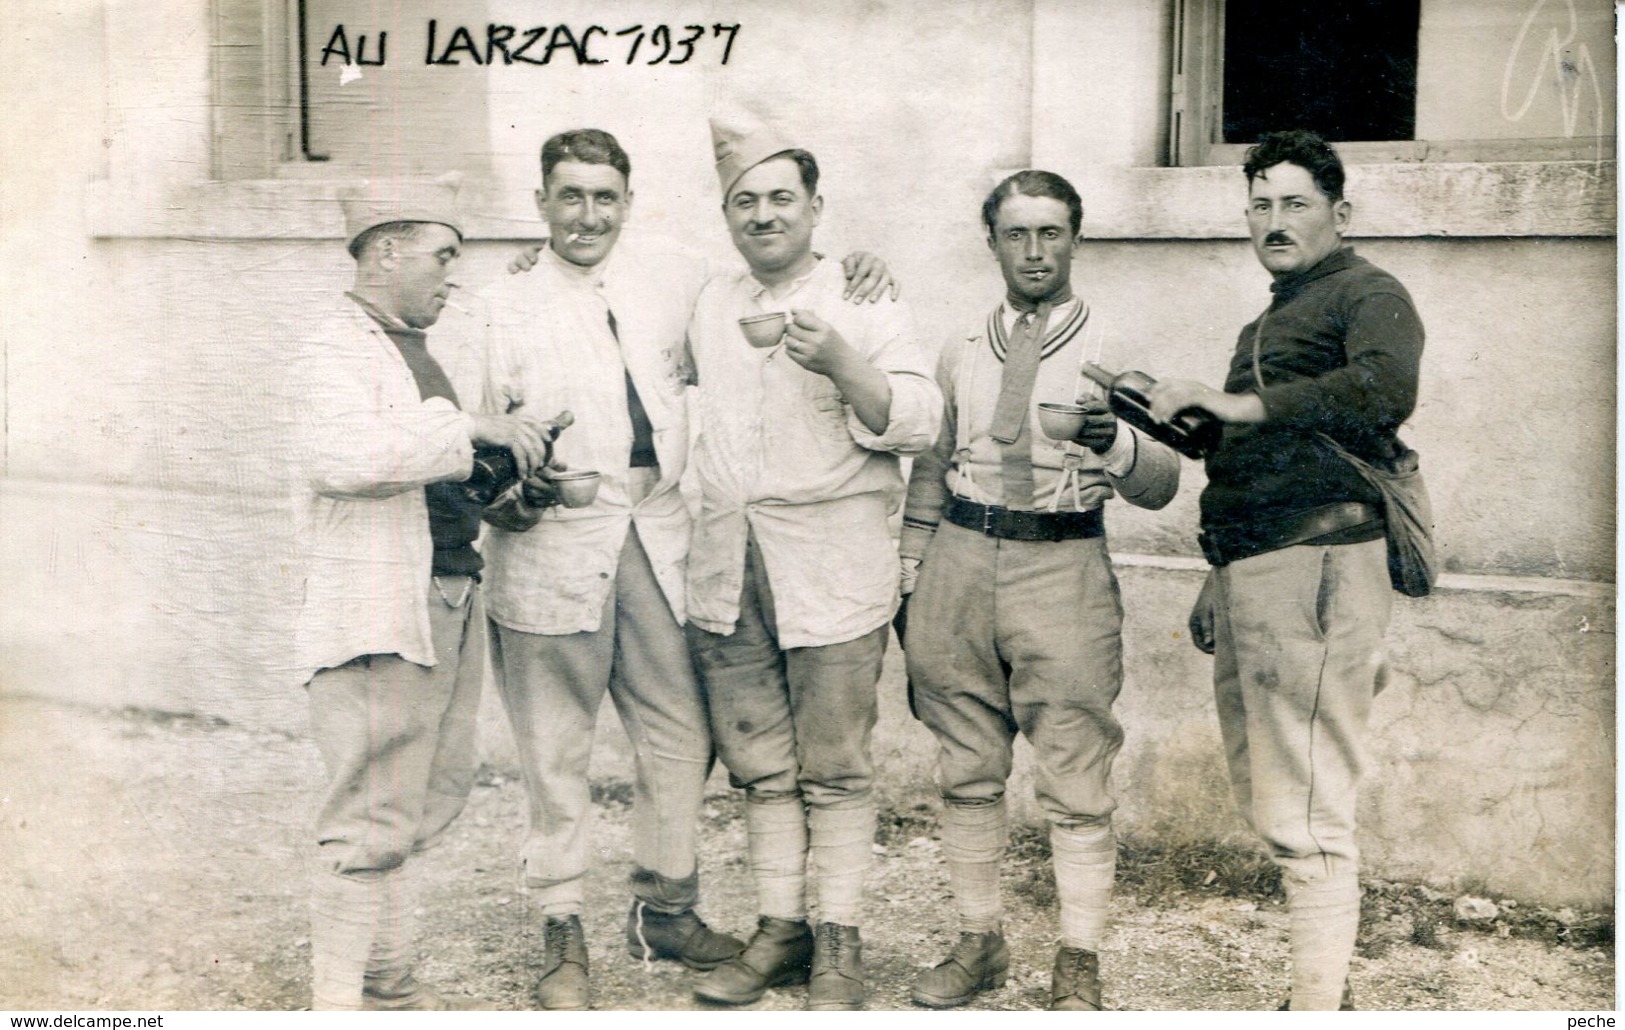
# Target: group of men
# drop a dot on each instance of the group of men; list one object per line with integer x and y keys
{"x": 754, "y": 631}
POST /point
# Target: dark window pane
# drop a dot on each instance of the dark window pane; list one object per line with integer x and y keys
{"x": 1346, "y": 70}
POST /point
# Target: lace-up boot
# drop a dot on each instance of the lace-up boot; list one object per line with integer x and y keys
{"x": 979, "y": 962}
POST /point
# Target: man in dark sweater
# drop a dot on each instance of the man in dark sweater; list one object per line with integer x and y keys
{"x": 1298, "y": 599}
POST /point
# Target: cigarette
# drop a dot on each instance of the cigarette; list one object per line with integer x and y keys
{"x": 458, "y": 308}
{"x": 572, "y": 237}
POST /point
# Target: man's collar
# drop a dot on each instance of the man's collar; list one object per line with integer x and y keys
{"x": 593, "y": 274}
{"x": 1336, "y": 261}
{"x": 758, "y": 288}
{"x": 387, "y": 322}
{"x": 1058, "y": 313}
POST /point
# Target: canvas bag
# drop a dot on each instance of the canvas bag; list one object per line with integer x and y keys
{"x": 1413, "y": 567}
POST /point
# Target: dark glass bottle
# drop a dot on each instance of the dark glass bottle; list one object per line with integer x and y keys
{"x": 1193, "y": 432}
{"x": 495, "y": 469}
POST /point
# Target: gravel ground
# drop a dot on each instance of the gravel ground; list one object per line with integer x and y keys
{"x": 159, "y": 862}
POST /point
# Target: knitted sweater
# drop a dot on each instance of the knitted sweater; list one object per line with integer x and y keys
{"x": 1340, "y": 353}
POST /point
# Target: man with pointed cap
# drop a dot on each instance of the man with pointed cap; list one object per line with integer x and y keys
{"x": 790, "y": 573}
{"x": 390, "y": 638}
{"x": 591, "y": 600}
{"x": 1014, "y": 622}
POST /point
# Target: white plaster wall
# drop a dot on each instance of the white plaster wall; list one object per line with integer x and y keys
{"x": 145, "y": 548}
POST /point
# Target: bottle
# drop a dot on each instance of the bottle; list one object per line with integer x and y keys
{"x": 495, "y": 469}
{"x": 1193, "y": 432}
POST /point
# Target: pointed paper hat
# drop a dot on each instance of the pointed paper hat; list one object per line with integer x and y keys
{"x": 742, "y": 141}
{"x": 382, "y": 201}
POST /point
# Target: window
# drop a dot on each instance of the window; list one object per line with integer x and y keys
{"x": 304, "y": 89}
{"x": 1434, "y": 80}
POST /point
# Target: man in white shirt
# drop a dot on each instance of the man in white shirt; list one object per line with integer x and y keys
{"x": 1016, "y": 623}
{"x": 592, "y": 599}
{"x": 790, "y": 575}
{"x": 390, "y": 637}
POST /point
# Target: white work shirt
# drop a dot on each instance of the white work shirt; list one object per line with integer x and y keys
{"x": 781, "y": 456}
{"x": 369, "y": 445}
{"x": 550, "y": 349}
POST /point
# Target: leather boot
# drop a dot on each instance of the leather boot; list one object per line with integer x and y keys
{"x": 1075, "y": 982}
{"x": 779, "y": 953}
{"x": 389, "y": 985}
{"x": 979, "y": 962}
{"x": 562, "y": 983}
{"x": 837, "y": 970}
{"x": 682, "y": 936}
{"x": 406, "y": 994}
{"x": 1345, "y": 1005}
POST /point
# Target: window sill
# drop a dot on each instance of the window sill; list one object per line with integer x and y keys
{"x": 264, "y": 209}
{"x": 1494, "y": 199}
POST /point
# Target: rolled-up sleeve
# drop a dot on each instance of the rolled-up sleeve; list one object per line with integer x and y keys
{"x": 354, "y": 447}
{"x": 916, "y": 402}
{"x": 928, "y": 480}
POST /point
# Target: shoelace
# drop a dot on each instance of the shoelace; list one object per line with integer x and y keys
{"x": 556, "y": 935}
{"x": 1076, "y": 963}
{"x": 643, "y": 942}
{"x": 834, "y": 941}
{"x": 967, "y": 950}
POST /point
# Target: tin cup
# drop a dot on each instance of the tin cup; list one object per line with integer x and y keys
{"x": 1060, "y": 421}
{"x": 576, "y": 488}
{"x": 763, "y": 331}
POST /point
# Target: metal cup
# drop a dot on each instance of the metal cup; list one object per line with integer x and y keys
{"x": 576, "y": 488}
{"x": 1060, "y": 421}
{"x": 763, "y": 331}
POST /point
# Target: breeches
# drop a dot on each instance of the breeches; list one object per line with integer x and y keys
{"x": 553, "y": 686}
{"x": 397, "y": 740}
{"x": 1299, "y": 657}
{"x": 1007, "y": 636}
{"x": 794, "y": 722}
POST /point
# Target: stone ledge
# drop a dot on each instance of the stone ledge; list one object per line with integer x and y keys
{"x": 1392, "y": 200}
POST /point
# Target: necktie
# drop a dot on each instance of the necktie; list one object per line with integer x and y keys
{"x": 643, "y": 433}
{"x": 1012, "y": 415}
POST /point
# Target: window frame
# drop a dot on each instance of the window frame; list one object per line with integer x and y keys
{"x": 1196, "y": 113}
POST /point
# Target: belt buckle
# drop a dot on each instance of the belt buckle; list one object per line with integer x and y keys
{"x": 987, "y": 520}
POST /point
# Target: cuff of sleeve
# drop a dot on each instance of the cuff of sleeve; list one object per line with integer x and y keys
{"x": 912, "y": 542}
{"x": 910, "y": 575}
{"x": 910, "y": 429}
{"x": 1119, "y": 458}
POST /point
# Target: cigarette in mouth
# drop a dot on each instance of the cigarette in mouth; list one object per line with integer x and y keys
{"x": 455, "y": 307}
{"x": 572, "y": 237}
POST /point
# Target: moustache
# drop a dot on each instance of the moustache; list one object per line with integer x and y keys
{"x": 1277, "y": 237}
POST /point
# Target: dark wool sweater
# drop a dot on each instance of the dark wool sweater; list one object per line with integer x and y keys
{"x": 454, "y": 520}
{"x": 1340, "y": 354}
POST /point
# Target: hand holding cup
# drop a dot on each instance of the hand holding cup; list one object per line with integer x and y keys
{"x": 1088, "y": 421}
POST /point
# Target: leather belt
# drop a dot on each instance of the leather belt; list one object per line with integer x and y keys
{"x": 1005, "y": 524}
{"x": 1223, "y": 547}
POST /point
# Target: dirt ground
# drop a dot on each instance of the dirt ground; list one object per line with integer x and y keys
{"x": 159, "y": 862}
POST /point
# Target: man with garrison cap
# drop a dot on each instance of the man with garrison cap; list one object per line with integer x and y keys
{"x": 790, "y": 574}
{"x": 1016, "y": 624}
{"x": 391, "y": 635}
